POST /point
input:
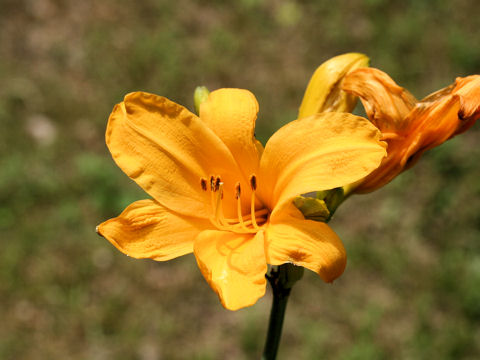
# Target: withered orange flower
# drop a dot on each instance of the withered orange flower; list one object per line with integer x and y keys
{"x": 410, "y": 127}
{"x": 218, "y": 193}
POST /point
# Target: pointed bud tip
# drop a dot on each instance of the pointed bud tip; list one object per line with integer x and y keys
{"x": 323, "y": 91}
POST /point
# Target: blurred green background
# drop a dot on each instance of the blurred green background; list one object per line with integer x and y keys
{"x": 411, "y": 289}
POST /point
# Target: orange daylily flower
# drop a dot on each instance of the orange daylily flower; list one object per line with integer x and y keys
{"x": 219, "y": 194}
{"x": 411, "y": 127}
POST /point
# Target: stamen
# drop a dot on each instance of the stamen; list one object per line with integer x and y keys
{"x": 258, "y": 213}
{"x": 238, "y": 191}
{"x": 219, "y": 216}
{"x": 239, "y": 202}
{"x": 252, "y": 211}
{"x": 212, "y": 196}
{"x": 218, "y": 205}
{"x": 239, "y": 207}
{"x": 253, "y": 182}
{"x": 215, "y": 204}
{"x": 243, "y": 224}
{"x": 212, "y": 183}
{"x": 203, "y": 184}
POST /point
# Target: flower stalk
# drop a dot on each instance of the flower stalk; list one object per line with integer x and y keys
{"x": 281, "y": 278}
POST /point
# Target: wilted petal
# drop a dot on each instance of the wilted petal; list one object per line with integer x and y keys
{"x": 465, "y": 91}
{"x": 385, "y": 103}
{"x": 431, "y": 125}
{"x": 468, "y": 88}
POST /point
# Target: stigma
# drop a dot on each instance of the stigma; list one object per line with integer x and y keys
{"x": 248, "y": 223}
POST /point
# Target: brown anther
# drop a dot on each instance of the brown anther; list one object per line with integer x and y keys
{"x": 203, "y": 183}
{"x": 212, "y": 183}
{"x": 253, "y": 182}
{"x": 237, "y": 190}
{"x": 217, "y": 183}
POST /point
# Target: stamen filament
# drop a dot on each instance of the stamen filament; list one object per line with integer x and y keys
{"x": 239, "y": 208}
{"x": 252, "y": 211}
{"x": 214, "y": 219}
{"x": 261, "y": 221}
{"x": 242, "y": 224}
{"x": 219, "y": 208}
{"x": 212, "y": 197}
{"x": 258, "y": 213}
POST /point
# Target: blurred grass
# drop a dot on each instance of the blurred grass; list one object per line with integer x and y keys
{"x": 412, "y": 286}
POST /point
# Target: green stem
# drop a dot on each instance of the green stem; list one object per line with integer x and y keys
{"x": 281, "y": 279}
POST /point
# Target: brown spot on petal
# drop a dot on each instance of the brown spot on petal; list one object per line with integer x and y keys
{"x": 298, "y": 256}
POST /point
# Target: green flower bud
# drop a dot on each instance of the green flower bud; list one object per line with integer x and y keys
{"x": 312, "y": 208}
{"x": 199, "y": 96}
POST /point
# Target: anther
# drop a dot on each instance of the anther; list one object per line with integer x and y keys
{"x": 212, "y": 183}
{"x": 237, "y": 190}
{"x": 217, "y": 183}
{"x": 253, "y": 182}
{"x": 203, "y": 183}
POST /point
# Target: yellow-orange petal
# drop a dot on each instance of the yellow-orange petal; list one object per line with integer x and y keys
{"x": 231, "y": 114}
{"x": 320, "y": 152}
{"x": 146, "y": 229}
{"x": 385, "y": 103}
{"x": 312, "y": 244}
{"x": 234, "y": 265}
{"x": 324, "y": 93}
{"x": 167, "y": 150}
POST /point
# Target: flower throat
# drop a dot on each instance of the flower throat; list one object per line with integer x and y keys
{"x": 243, "y": 224}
